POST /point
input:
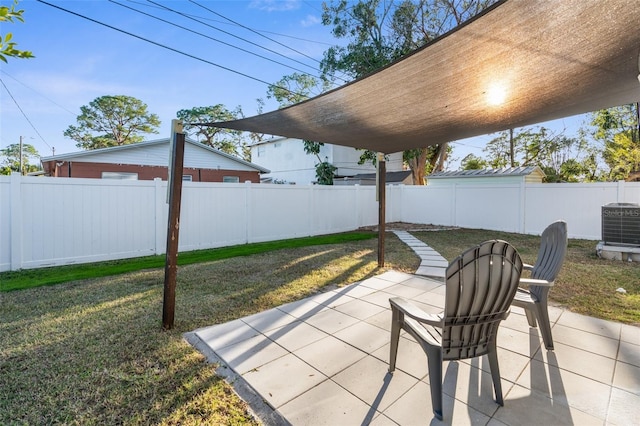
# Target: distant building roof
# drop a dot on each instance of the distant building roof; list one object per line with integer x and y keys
{"x": 370, "y": 178}
{"x": 507, "y": 171}
{"x": 92, "y": 152}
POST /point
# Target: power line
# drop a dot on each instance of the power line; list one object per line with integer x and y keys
{"x": 25, "y": 115}
{"x": 169, "y": 48}
{"x": 34, "y": 90}
{"x": 253, "y": 31}
{"x": 261, "y": 35}
{"x": 230, "y": 34}
{"x": 206, "y": 36}
{"x": 228, "y": 23}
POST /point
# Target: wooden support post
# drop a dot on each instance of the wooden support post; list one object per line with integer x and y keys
{"x": 173, "y": 227}
{"x": 382, "y": 181}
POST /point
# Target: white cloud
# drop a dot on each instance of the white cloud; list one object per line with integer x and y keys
{"x": 310, "y": 21}
{"x": 275, "y": 5}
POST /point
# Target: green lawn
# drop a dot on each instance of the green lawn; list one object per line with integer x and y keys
{"x": 92, "y": 350}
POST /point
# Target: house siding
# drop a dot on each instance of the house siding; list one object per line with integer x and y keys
{"x": 287, "y": 160}
{"x": 149, "y": 160}
{"x": 76, "y": 169}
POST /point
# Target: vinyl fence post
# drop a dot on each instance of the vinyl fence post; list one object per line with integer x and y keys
{"x": 16, "y": 221}
{"x": 159, "y": 214}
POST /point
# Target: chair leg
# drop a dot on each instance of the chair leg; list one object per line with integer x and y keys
{"x": 434, "y": 360}
{"x": 542, "y": 314}
{"x": 495, "y": 372}
{"x": 531, "y": 317}
{"x": 396, "y": 325}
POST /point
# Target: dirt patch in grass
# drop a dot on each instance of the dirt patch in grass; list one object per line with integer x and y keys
{"x": 406, "y": 226}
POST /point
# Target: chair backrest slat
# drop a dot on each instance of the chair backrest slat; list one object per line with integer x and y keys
{"x": 480, "y": 285}
{"x": 551, "y": 254}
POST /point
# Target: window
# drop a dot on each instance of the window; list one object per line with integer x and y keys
{"x": 120, "y": 175}
{"x": 261, "y": 150}
{"x": 230, "y": 179}
{"x": 187, "y": 178}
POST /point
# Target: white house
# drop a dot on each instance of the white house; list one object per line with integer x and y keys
{"x": 289, "y": 163}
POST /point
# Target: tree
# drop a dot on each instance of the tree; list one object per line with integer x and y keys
{"x": 472, "y": 162}
{"x": 379, "y": 32}
{"x": 117, "y": 120}
{"x": 7, "y": 46}
{"x": 618, "y": 129}
{"x": 296, "y": 88}
{"x": 225, "y": 140}
{"x": 11, "y": 162}
{"x": 562, "y": 158}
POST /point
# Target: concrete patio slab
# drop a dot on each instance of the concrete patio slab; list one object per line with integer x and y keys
{"x": 318, "y": 362}
{"x": 324, "y": 360}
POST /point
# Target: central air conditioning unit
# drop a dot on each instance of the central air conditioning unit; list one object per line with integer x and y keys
{"x": 621, "y": 224}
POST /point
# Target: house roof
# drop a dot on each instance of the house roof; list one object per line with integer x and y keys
{"x": 390, "y": 177}
{"x": 146, "y": 144}
{"x": 519, "y": 63}
{"x": 508, "y": 171}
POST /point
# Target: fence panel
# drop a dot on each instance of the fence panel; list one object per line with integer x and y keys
{"x": 425, "y": 204}
{"x": 579, "y": 204}
{"x": 55, "y": 221}
{"x": 488, "y": 207}
{"x": 212, "y": 215}
{"x": 333, "y": 209}
{"x": 84, "y": 220}
{"x": 279, "y": 211}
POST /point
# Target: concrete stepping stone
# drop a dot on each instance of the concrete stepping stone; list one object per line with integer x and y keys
{"x": 432, "y": 264}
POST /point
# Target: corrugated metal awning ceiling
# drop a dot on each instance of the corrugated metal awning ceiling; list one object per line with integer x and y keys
{"x": 522, "y": 62}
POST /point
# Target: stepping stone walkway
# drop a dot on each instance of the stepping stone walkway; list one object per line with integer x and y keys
{"x": 432, "y": 264}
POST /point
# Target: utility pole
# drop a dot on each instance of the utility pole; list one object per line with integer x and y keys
{"x": 638, "y": 120}
{"x": 20, "y": 154}
{"x": 511, "y": 153}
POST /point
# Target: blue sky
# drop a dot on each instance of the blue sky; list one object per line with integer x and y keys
{"x": 78, "y": 60}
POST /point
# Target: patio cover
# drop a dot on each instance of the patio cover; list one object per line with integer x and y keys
{"x": 521, "y": 62}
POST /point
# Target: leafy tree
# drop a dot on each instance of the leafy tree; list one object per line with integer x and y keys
{"x": 563, "y": 159}
{"x": 112, "y": 121}
{"x": 225, "y": 140}
{"x": 618, "y": 129}
{"x": 379, "y": 32}
{"x": 11, "y": 161}
{"x": 7, "y": 45}
{"x": 472, "y": 162}
{"x": 296, "y": 88}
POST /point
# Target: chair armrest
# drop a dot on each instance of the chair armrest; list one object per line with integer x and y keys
{"x": 414, "y": 312}
{"x": 527, "y": 267}
{"x": 533, "y": 281}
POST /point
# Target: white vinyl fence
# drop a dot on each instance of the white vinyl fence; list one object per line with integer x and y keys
{"x": 57, "y": 221}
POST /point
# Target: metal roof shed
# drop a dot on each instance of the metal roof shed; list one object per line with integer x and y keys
{"x": 529, "y": 174}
